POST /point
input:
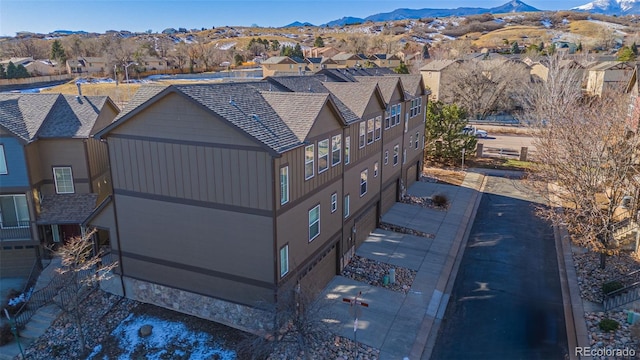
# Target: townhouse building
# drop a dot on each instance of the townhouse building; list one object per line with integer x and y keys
{"x": 227, "y": 195}
{"x": 52, "y": 173}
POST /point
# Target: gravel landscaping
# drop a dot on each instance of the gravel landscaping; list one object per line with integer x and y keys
{"x": 590, "y": 280}
{"x": 372, "y": 272}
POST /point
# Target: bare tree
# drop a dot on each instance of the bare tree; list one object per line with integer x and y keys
{"x": 549, "y": 97}
{"x": 587, "y": 163}
{"x": 180, "y": 55}
{"x": 482, "y": 87}
{"x": 358, "y": 44}
{"x": 298, "y": 324}
{"x": 81, "y": 268}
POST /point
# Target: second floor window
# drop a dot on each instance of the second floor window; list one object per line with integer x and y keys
{"x": 308, "y": 162}
{"x": 334, "y": 202}
{"x": 336, "y": 149}
{"x": 323, "y": 155}
{"x": 63, "y": 179}
{"x": 346, "y": 206}
{"x": 363, "y": 130}
{"x": 369, "y": 131}
{"x": 396, "y": 150}
{"x": 417, "y": 140}
{"x": 314, "y": 222}
{"x": 347, "y": 149}
{"x": 375, "y": 169}
{"x": 13, "y": 211}
{"x": 363, "y": 182}
{"x": 284, "y": 185}
{"x": 378, "y": 127}
{"x": 386, "y": 157}
{"x": 3, "y": 161}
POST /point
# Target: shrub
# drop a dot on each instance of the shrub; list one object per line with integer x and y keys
{"x": 440, "y": 200}
{"x": 608, "y": 325}
{"x": 609, "y": 287}
{"x": 5, "y": 334}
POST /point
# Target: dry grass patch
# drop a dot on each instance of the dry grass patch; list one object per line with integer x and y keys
{"x": 586, "y": 28}
{"x": 534, "y": 34}
{"x": 444, "y": 175}
{"x": 120, "y": 94}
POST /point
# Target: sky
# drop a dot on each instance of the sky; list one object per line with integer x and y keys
{"x": 44, "y": 16}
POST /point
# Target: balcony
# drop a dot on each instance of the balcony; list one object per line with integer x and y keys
{"x": 20, "y": 230}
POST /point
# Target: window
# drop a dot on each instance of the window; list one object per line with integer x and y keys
{"x": 363, "y": 130}
{"x": 334, "y": 202}
{"x": 363, "y": 182}
{"x": 314, "y": 222}
{"x": 419, "y": 105}
{"x": 323, "y": 155}
{"x": 284, "y": 185}
{"x": 375, "y": 169}
{"x": 410, "y": 141}
{"x": 308, "y": 162}
{"x": 347, "y": 149}
{"x": 404, "y": 156}
{"x": 346, "y": 206}
{"x": 284, "y": 260}
{"x": 393, "y": 115}
{"x": 369, "y": 131}
{"x": 386, "y": 157}
{"x": 386, "y": 120}
{"x": 396, "y": 150}
{"x": 63, "y": 179}
{"x": 14, "y": 211}
{"x": 398, "y": 114}
{"x": 417, "y": 140}
{"x": 336, "y": 150}
{"x": 378, "y": 128}
{"x": 3, "y": 162}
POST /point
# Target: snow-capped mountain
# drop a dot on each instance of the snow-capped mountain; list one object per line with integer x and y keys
{"x": 611, "y": 7}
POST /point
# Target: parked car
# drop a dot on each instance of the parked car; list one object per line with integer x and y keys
{"x": 472, "y": 130}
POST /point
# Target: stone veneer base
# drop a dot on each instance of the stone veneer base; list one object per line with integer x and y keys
{"x": 238, "y": 316}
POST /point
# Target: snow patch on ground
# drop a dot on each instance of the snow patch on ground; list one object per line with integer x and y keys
{"x": 165, "y": 334}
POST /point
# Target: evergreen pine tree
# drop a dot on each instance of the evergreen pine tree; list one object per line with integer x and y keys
{"x": 579, "y": 48}
{"x": 401, "y": 69}
{"x": 11, "y": 70}
{"x": 57, "y": 52}
{"x": 634, "y": 48}
{"x": 21, "y": 72}
{"x": 275, "y": 45}
{"x": 319, "y": 42}
{"x": 3, "y": 73}
{"x": 297, "y": 51}
{"x": 425, "y": 52}
{"x": 515, "y": 48}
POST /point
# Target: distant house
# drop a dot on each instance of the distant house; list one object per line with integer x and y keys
{"x": 348, "y": 60}
{"x": 435, "y": 73}
{"x": 151, "y": 63}
{"x": 283, "y": 65}
{"x": 43, "y": 68}
{"x": 319, "y": 52}
{"x": 52, "y": 173}
{"x": 385, "y": 60}
{"x": 540, "y": 69}
{"x": 88, "y": 65}
{"x": 609, "y": 76}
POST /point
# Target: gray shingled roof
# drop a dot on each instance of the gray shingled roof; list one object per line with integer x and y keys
{"x": 73, "y": 117}
{"x": 437, "y": 65}
{"x": 243, "y": 106}
{"x": 30, "y": 116}
{"x": 288, "y": 106}
{"x": 66, "y": 208}
{"x": 387, "y": 85}
{"x": 355, "y": 95}
{"x": 411, "y": 84}
{"x": 313, "y": 84}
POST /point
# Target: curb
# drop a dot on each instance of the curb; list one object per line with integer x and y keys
{"x": 576, "y": 327}
{"x": 428, "y": 333}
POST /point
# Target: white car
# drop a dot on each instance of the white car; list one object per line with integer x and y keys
{"x": 472, "y": 130}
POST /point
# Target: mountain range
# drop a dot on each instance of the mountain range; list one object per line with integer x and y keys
{"x": 608, "y": 7}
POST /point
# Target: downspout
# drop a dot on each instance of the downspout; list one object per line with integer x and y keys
{"x": 85, "y": 142}
{"x": 115, "y": 217}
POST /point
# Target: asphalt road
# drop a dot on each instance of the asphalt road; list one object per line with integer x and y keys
{"x": 506, "y": 302}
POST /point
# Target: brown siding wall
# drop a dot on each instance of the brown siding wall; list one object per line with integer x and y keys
{"x": 99, "y": 168}
{"x": 176, "y": 117}
{"x": 205, "y": 173}
{"x": 62, "y": 152}
{"x": 212, "y": 247}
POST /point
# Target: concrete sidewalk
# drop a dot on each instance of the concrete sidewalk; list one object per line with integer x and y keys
{"x": 407, "y": 325}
